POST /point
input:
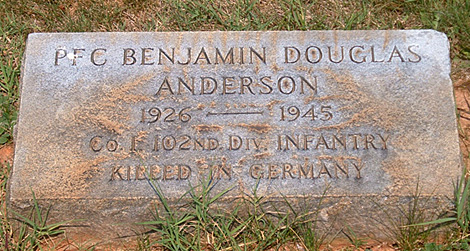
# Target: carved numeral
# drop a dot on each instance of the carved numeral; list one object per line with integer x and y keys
{"x": 293, "y": 113}
{"x": 169, "y": 114}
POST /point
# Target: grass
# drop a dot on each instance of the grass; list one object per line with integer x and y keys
{"x": 30, "y": 232}
{"x": 20, "y": 17}
{"x": 458, "y": 218}
{"x": 199, "y": 225}
{"x": 404, "y": 225}
{"x": 33, "y": 230}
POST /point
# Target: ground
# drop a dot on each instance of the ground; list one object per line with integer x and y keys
{"x": 6, "y": 153}
{"x": 461, "y": 80}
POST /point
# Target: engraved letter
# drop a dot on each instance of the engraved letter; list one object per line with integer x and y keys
{"x": 246, "y": 84}
{"x": 95, "y": 144}
{"x": 223, "y": 59}
{"x": 322, "y": 141}
{"x": 274, "y": 171}
{"x": 59, "y": 54}
{"x": 291, "y": 55}
{"x": 418, "y": 57}
{"x": 304, "y": 171}
{"x": 184, "y": 172}
{"x": 227, "y": 85}
{"x": 262, "y": 58}
{"x": 358, "y": 165}
{"x": 112, "y": 145}
{"x": 335, "y": 53}
{"x": 168, "y": 173}
{"x": 165, "y": 86}
{"x": 316, "y": 56}
{"x": 341, "y": 141}
{"x": 162, "y": 52}
{"x": 116, "y": 173}
{"x": 285, "y": 82}
{"x": 202, "y": 56}
{"x": 189, "y": 58}
{"x": 286, "y": 168}
{"x": 235, "y": 142}
{"x": 384, "y": 141}
{"x": 372, "y": 53}
{"x": 294, "y": 141}
{"x": 206, "y": 85}
{"x": 354, "y": 136}
{"x": 140, "y": 173}
{"x": 182, "y": 83}
{"x": 395, "y": 53}
{"x": 313, "y": 86}
{"x": 146, "y": 57}
{"x": 339, "y": 165}
{"x": 324, "y": 170}
{"x": 129, "y": 58}
{"x": 76, "y": 54}
{"x": 352, "y": 54}
{"x": 212, "y": 144}
{"x": 100, "y": 51}
{"x": 266, "y": 85}
{"x": 256, "y": 172}
{"x": 368, "y": 139}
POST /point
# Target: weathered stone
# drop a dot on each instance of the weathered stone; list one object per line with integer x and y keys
{"x": 368, "y": 114}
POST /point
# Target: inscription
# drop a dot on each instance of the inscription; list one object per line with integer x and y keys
{"x": 293, "y": 95}
{"x": 184, "y": 143}
{"x": 188, "y": 56}
{"x": 232, "y": 56}
{"x": 281, "y": 142}
{"x": 325, "y": 166}
{"x": 288, "y": 114}
{"x": 343, "y": 167}
{"x": 168, "y": 114}
{"x": 292, "y": 113}
{"x": 354, "y": 141}
{"x": 241, "y": 85}
{"x": 357, "y": 54}
{"x": 155, "y": 172}
{"x": 97, "y": 144}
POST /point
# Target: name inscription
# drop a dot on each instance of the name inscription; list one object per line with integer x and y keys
{"x": 311, "y": 54}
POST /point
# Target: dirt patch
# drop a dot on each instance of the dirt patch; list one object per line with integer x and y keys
{"x": 461, "y": 81}
{"x": 6, "y": 154}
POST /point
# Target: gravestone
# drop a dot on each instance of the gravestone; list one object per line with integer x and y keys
{"x": 357, "y": 118}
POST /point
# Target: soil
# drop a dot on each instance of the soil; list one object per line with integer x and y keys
{"x": 6, "y": 154}
{"x": 461, "y": 80}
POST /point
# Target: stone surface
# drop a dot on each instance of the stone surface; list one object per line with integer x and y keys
{"x": 365, "y": 115}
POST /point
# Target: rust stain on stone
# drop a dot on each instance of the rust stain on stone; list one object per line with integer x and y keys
{"x": 201, "y": 161}
{"x": 258, "y": 128}
{"x": 271, "y": 104}
{"x": 103, "y": 110}
{"x": 262, "y": 155}
{"x": 200, "y": 106}
{"x": 208, "y": 128}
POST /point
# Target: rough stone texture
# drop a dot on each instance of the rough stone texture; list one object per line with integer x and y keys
{"x": 367, "y": 115}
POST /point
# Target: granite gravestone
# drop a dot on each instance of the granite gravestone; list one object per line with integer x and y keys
{"x": 366, "y": 114}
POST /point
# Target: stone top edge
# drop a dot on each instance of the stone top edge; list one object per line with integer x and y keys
{"x": 437, "y": 33}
